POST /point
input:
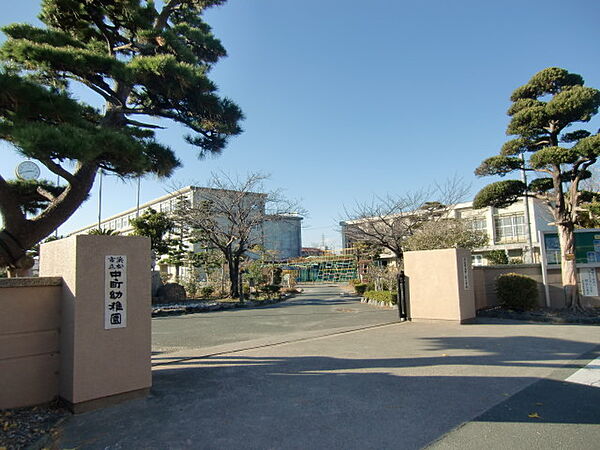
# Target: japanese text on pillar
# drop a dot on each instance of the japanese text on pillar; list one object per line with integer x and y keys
{"x": 115, "y": 292}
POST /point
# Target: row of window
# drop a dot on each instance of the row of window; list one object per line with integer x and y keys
{"x": 507, "y": 228}
{"x": 165, "y": 206}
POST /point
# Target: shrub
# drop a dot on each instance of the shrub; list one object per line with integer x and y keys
{"x": 389, "y": 297}
{"x": 497, "y": 257}
{"x": 354, "y": 282}
{"x": 517, "y": 291}
{"x": 270, "y": 289}
{"x": 360, "y": 288}
{"x": 207, "y": 291}
{"x": 191, "y": 288}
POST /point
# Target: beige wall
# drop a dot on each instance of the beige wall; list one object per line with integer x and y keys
{"x": 98, "y": 363}
{"x": 29, "y": 340}
{"x": 485, "y": 284}
{"x": 438, "y": 286}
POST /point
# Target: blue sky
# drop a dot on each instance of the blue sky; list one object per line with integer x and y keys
{"x": 349, "y": 99}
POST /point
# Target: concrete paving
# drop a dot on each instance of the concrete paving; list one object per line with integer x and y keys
{"x": 382, "y": 386}
{"x": 318, "y": 311}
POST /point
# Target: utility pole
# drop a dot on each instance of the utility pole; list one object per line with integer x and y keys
{"x": 527, "y": 255}
{"x": 100, "y": 200}
{"x": 137, "y": 209}
{"x": 57, "y": 185}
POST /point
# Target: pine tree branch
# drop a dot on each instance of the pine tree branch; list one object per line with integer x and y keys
{"x": 163, "y": 17}
{"x": 44, "y": 193}
{"x": 143, "y": 125}
{"x": 9, "y": 207}
{"x": 99, "y": 87}
{"x": 57, "y": 169}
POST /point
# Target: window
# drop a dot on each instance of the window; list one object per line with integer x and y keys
{"x": 510, "y": 228}
{"x": 479, "y": 224}
{"x": 477, "y": 260}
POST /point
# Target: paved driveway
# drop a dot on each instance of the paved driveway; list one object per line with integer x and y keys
{"x": 320, "y": 310}
{"x": 381, "y": 386}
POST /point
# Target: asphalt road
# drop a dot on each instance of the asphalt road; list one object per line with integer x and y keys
{"x": 326, "y": 372}
{"x": 318, "y": 311}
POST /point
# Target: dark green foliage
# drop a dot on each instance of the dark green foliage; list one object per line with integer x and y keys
{"x": 277, "y": 276}
{"x": 542, "y": 111}
{"x": 360, "y": 288}
{"x": 497, "y": 257}
{"x": 270, "y": 289}
{"x": 103, "y": 232}
{"x": 389, "y": 297}
{"x": 499, "y": 195}
{"x": 498, "y": 165}
{"x": 548, "y": 157}
{"x": 207, "y": 291}
{"x": 29, "y": 196}
{"x": 541, "y": 185}
{"x": 517, "y": 292}
{"x": 517, "y": 146}
{"x": 154, "y": 225}
{"x": 144, "y": 59}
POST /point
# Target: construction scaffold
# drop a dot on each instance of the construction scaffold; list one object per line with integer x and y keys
{"x": 329, "y": 268}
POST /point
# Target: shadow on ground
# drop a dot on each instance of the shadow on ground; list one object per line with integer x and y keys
{"x": 329, "y": 402}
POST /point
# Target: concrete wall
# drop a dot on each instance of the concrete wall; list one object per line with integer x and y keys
{"x": 98, "y": 363}
{"x": 485, "y": 284}
{"x": 440, "y": 285}
{"x": 29, "y": 340}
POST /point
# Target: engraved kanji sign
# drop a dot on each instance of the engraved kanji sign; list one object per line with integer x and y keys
{"x": 115, "y": 292}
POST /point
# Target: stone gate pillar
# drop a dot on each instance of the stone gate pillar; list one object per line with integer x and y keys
{"x": 105, "y": 346}
{"x": 440, "y": 284}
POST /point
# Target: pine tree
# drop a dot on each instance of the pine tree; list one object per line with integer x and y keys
{"x": 541, "y": 113}
{"x": 144, "y": 62}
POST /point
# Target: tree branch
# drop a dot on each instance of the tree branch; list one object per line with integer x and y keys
{"x": 163, "y": 17}
{"x": 44, "y": 193}
{"x": 57, "y": 169}
{"x": 143, "y": 125}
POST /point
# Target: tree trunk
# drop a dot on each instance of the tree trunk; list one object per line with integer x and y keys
{"x": 177, "y": 273}
{"x": 234, "y": 267}
{"x": 566, "y": 237}
{"x": 21, "y": 234}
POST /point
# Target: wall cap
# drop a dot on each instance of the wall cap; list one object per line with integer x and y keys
{"x": 507, "y": 266}
{"x": 30, "y": 282}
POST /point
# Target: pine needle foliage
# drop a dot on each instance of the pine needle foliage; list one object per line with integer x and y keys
{"x": 542, "y": 116}
{"x": 147, "y": 62}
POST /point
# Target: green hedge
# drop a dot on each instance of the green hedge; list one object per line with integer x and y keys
{"x": 360, "y": 288}
{"x": 382, "y": 296}
{"x": 517, "y": 291}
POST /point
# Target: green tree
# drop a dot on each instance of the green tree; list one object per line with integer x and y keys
{"x": 180, "y": 239}
{"x": 103, "y": 232}
{"x": 542, "y": 111}
{"x": 498, "y": 257}
{"x": 144, "y": 59}
{"x": 155, "y": 225}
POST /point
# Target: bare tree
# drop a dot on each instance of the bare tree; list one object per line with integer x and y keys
{"x": 231, "y": 215}
{"x": 388, "y": 221}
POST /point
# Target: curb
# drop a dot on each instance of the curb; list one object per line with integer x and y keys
{"x": 181, "y": 309}
{"x": 377, "y": 303}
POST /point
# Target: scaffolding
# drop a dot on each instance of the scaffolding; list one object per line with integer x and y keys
{"x": 329, "y": 268}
